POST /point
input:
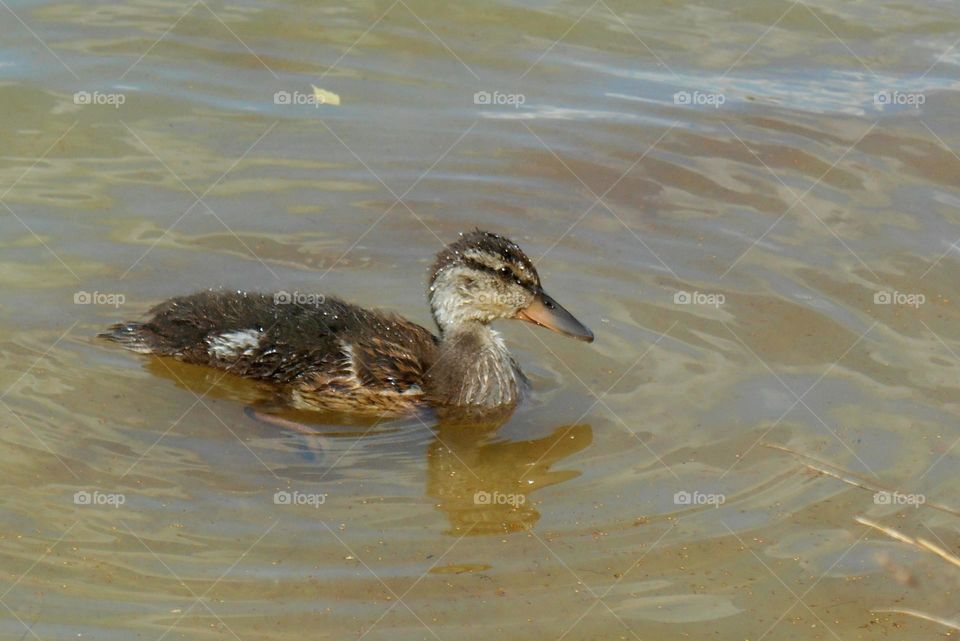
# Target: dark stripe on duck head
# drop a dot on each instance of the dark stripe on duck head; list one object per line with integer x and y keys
{"x": 502, "y": 251}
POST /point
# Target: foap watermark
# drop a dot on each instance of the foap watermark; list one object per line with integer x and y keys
{"x": 699, "y": 99}
{"x": 899, "y": 298}
{"x": 98, "y": 298}
{"x": 899, "y": 99}
{"x": 299, "y": 98}
{"x": 481, "y": 497}
{"x": 506, "y": 299}
{"x": 298, "y": 298}
{"x": 899, "y": 498}
{"x": 112, "y": 499}
{"x": 99, "y": 98}
{"x": 497, "y": 98}
{"x": 315, "y": 500}
{"x": 698, "y": 498}
{"x": 698, "y": 298}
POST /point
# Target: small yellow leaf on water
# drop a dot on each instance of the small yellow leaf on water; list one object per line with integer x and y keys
{"x": 460, "y": 569}
{"x": 324, "y": 97}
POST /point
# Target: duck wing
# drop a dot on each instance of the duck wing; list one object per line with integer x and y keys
{"x": 264, "y": 337}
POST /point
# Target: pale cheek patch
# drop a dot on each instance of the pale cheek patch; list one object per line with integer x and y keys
{"x": 446, "y": 300}
{"x": 233, "y": 344}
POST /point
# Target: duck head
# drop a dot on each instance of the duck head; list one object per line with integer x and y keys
{"x": 482, "y": 277}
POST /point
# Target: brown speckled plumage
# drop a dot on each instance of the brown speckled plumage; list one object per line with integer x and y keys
{"x": 330, "y": 355}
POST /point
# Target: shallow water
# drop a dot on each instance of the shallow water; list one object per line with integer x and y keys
{"x": 810, "y": 176}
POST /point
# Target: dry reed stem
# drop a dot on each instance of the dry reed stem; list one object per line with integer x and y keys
{"x": 923, "y": 544}
{"x": 856, "y": 480}
{"x": 851, "y": 478}
{"x": 921, "y": 615}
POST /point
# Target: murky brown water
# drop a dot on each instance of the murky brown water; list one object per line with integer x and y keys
{"x": 787, "y": 168}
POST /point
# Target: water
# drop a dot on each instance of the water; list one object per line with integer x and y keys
{"x": 785, "y": 167}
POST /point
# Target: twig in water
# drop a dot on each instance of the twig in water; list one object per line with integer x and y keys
{"x": 851, "y": 478}
{"x": 921, "y": 615}
{"x": 923, "y": 544}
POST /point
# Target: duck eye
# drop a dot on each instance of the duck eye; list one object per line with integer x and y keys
{"x": 505, "y": 271}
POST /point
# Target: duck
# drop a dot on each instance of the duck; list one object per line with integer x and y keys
{"x": 323, "y": 354}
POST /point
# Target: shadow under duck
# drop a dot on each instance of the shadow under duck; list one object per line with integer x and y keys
{"x": 328, "y": 355}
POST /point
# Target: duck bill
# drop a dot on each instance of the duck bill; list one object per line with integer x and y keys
{"x": 546, "y": 312}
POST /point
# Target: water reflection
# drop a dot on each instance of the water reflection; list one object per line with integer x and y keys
{"x": 482, "y": 483}
{"x": 484, "y": 486}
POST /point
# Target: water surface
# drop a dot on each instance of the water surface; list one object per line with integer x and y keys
{"x": 728, "y": 196}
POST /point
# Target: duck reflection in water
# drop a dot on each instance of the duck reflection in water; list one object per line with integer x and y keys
{"x": 482, "y": 483}
{"x": 485, "y": 485}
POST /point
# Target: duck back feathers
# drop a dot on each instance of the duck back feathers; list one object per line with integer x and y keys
{"x": 326, "y": 347}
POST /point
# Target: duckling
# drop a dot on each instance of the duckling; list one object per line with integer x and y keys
{"x": 328, "y": 355}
